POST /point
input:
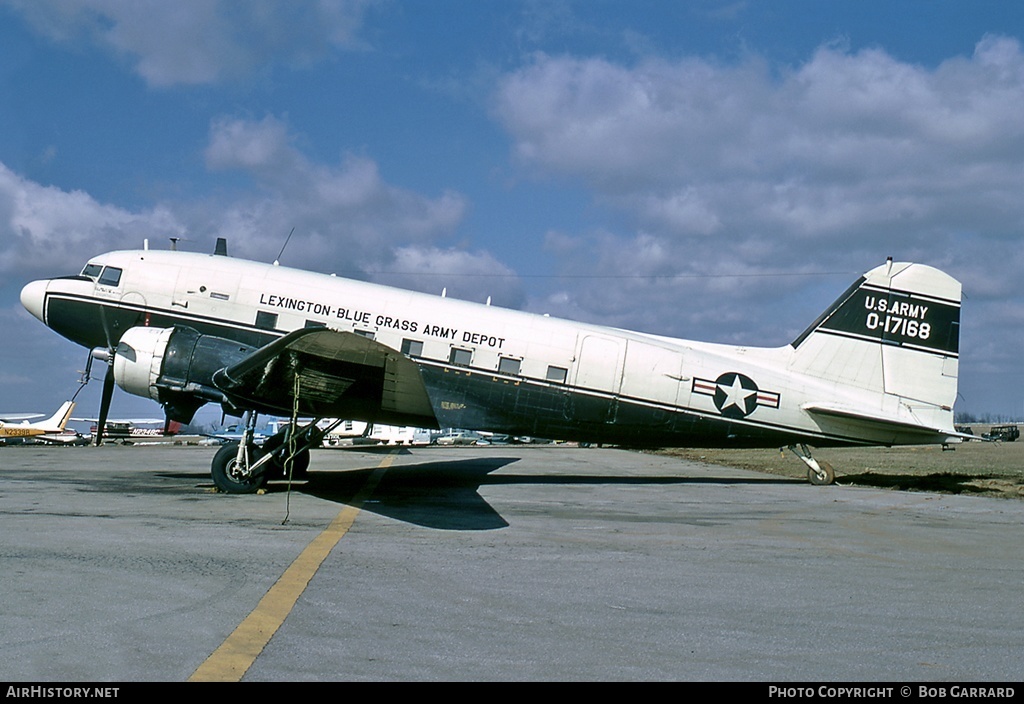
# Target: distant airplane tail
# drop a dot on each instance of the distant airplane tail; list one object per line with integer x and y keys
{"x": 59, "y": 419}
{"x": 891, "y": 342}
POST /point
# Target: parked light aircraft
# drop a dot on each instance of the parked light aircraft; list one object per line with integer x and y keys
{"x": 51, "y": 429}
{"x": 350, "y": 432}
{"x": 134, "y": 429}
{"x": 878, "y": 367}
{"x": 235, "y": 432}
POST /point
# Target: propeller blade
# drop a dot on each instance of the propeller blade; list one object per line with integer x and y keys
{"x": 108, "y": 392}
{"x": 106, "y": 329}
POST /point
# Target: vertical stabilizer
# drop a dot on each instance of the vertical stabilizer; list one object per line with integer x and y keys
{"x": 59, "y": 419}
{"x": 895, "y": 332}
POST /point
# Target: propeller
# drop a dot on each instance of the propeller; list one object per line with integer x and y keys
{"x": 108, "y": 393}
{"x": 106, "y": 355}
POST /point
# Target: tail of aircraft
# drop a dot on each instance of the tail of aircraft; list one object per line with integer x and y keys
{"x": 59, "y": 419}
{"x": 891, "y": 343}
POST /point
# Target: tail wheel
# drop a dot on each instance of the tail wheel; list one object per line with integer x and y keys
{"x": 827, "y": 475}
{"x": 232, "y": 477}
{"x": 819, "y": 472}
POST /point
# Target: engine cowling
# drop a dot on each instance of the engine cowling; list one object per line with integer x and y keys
{"x": 175, "y": 367}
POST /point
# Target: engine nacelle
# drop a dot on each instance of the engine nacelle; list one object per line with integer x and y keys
{"x": 139, "y": 360}
{"x": 174, "y": 366}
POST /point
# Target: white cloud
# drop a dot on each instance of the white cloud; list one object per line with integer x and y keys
{"x": 473, "y": 276}
{"x": 887, "y": 137}
{"x": 345, "y": 216}
{"x": 47, "y": 230}
{"x": 829, "y": 166}
{"x": 201, "y": 41}
{"x": 244, "y": 144}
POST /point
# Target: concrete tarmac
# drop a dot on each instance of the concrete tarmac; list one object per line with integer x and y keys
{"x": 495, "y": 563}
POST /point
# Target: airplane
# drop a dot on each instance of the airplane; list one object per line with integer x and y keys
{"x": 877, "y": 367}
{"x": 234, "y": 432}
{"x": 51, "y": 429}
{"x": 351, "y": 432}
{"x": 128, "y": 429}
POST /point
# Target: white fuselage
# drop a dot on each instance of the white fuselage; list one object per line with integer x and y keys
{"x": 757, "y": 395}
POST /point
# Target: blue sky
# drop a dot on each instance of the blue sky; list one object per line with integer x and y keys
{"x": 710, "y": 170}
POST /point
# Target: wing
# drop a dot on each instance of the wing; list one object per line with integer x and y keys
{"x": 120, "y": 420}
{"x": 327, "y": 373}
{"x": 17, "y": 417}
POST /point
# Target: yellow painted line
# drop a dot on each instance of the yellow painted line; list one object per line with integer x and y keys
{"x": 239, "y": 651}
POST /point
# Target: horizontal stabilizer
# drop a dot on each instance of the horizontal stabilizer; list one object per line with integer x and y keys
{"x": 16, "y": 417}
{"x": 880, "y": 421}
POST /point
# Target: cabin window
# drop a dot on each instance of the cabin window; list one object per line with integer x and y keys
{"x": 460, "y": 357}
{"x": 314, "y": 324}
{"x": 557, "y": 374}
{"x": 111, "y": 276}
{"x": 92, "y": 271}
{"x": 412, "y": 348}
{"x": 507, "y": 365}
{"x": 368, "y": 334}
{"x": 265, "y": 320}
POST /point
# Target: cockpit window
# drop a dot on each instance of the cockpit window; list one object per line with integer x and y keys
{"x": 111, "y": 276}
{"x": 92, "y": 271}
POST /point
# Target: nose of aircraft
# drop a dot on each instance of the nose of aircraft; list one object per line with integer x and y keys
{"x": 33, "y": 297}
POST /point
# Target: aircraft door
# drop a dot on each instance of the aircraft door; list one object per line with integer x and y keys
{"x": 598, "y": 377}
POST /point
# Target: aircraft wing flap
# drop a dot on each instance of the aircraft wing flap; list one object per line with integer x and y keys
{"x": 340, "y": 374}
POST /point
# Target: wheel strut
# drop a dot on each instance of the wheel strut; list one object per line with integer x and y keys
{"x": 241, "y": 468}
{"x": 819, "y": 473}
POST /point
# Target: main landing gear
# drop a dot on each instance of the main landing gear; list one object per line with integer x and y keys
{"x": 818, "y": 472}
{"x": 245, "y": 467}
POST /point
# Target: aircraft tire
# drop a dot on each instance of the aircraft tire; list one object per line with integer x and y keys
{"x": 829, "y": 478}
{"x": 223, "y": 472}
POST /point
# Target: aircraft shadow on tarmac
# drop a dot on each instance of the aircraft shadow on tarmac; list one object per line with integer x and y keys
{"x": 433, "y": 494}
{"x": 446, "y": 494}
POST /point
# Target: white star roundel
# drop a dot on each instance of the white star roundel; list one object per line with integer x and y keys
{"x": 735, "y": 395}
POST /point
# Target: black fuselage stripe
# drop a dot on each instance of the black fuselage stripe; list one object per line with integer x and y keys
{"x": 179, "y": 317}
{"x": 936, "y": 351}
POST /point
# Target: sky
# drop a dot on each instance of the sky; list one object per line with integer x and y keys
{"x": 712, "y": 170}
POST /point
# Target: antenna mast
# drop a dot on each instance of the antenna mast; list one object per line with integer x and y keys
{"x": 286, "y": 241}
